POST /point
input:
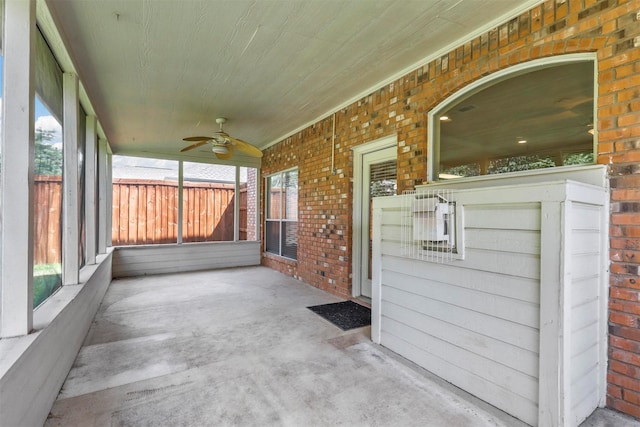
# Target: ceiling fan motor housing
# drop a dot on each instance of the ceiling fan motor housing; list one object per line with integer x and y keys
{"x": 223, "y": 145}
{"x": 220, "y": 149}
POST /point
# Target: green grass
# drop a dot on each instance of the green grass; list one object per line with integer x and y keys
{"x": 46, "y": 279}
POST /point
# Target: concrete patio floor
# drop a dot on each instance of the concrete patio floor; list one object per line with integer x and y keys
{"x": 239, "y": 347}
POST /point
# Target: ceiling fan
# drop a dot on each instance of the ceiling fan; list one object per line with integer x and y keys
{"x": 222, "y": 144}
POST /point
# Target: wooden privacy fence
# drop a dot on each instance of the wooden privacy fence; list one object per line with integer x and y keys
{"x": 146, "y": 212}
{"x": 47, "y": 219}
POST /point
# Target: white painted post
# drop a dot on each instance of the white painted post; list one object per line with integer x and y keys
{"x": 356, "y": 241}
{"x": 180, "y": 199}
{"x": 70, "y": 214}
{"x": 18, "y": 105}
{"x": 109, "y": 183}
{"x": 376, "y": 272}
{"x": 104, "y": 209}
{"x": 258, "y": 184}
{"x": 236, "y": 207}
{"x": 90, "y": 189}
{"x": 551, "y": 372}
{"x": 603, "y": 295}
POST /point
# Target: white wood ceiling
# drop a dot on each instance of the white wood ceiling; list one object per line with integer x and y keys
{"x": 160, "y": 70}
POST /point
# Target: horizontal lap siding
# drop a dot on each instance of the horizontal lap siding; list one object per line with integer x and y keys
{"x": 137, "y": 261}
{"x": 585, "y": 281}
{"x": 474, "y": 322}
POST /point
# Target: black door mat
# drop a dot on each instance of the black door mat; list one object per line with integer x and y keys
{"x": 345, "y": 315}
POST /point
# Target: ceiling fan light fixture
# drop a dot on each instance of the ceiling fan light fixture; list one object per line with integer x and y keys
{"x": 222, "y": 145}
{"x": 220, "y": 149}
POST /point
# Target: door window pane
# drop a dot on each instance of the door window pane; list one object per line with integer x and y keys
{"x": 382, "y": 182}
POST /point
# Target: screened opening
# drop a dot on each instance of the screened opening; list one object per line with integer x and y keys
{"x": 208, "y": 196}
{"x": 48, "y": 178}
{"x": 541, "y": 119}
{"x": 146, "y": 198}
{"x": 145, "y": 201}
{"x": 47, "y": 199}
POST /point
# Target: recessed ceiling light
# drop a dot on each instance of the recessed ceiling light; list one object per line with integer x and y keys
{"x": 522, "y": 141}
{"x": 444, "y": 118}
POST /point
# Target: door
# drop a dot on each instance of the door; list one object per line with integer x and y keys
{"x": 379, "y": 178}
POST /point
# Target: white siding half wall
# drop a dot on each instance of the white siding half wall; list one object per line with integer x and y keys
{"x": 520, "y": 322}
{"x": 172, "y": 258}
{"x": 33, "y": 367}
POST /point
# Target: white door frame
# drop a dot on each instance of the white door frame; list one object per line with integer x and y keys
{"x": 356, "y": 242}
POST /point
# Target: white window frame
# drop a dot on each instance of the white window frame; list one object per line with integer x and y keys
{"x": 279, "y": 220}
{"x": 433, "y": 148}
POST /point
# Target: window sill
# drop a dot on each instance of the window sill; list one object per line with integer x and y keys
{"x": 11, "y": 349}
{"x": 588, "y": 174}
{"x": 280, "y": 258}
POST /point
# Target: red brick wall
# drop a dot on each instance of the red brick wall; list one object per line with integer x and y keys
{"x": 611, "y": 28}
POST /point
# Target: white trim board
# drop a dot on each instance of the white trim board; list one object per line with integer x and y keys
{"x": 538, "y": 289}
{"x": 356, "y": 245}
{"x": 433, "y": 135}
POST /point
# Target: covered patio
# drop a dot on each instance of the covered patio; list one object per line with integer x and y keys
{"x": 239, "y": 347}
{"x": 156, "y": 269}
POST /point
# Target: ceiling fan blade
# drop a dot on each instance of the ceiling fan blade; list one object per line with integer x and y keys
{"x": 245, "y": 147}
{"x": 197, "y": 138}
{"x": 192, "y": 146}
{"x": 227, "y": 155}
